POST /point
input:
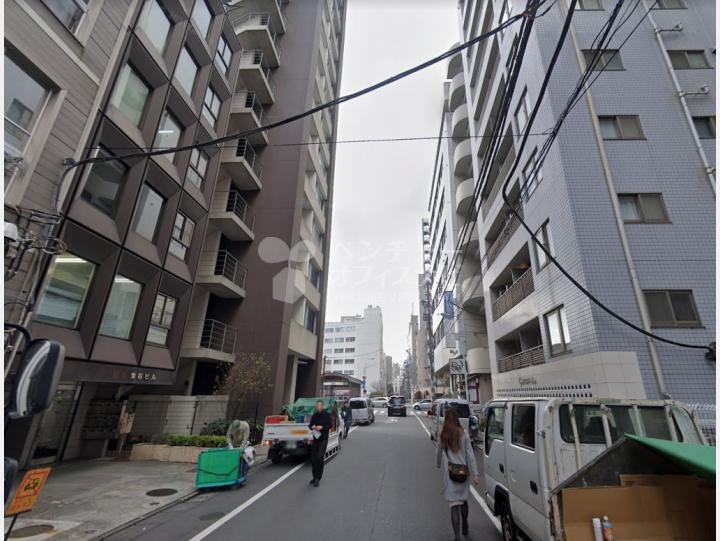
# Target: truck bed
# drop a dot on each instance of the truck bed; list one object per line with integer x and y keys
{"x": 287, "y": 431}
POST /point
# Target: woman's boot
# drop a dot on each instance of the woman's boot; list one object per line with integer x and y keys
{"x": 455, "y": 518}
{"x": 464, "y": 513}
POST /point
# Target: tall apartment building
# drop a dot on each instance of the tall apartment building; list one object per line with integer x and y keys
{"x": 265, "y": 252}
{"x": 110, "y": 78}
{"x": 625, "y": 201}
{"x": 388, "y": 389}
{"x": 354, "y": 346}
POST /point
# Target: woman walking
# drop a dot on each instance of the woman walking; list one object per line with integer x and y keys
{"x": 454, "y": 453}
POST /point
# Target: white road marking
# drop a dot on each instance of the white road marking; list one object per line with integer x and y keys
{"x": 239, "y": 509}
{"x": 476, "y": 495}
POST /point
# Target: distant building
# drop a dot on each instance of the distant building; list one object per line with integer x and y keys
{"x": 388, "y": 374}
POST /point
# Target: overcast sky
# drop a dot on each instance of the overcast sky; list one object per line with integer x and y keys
{"x": 381, "y": 188}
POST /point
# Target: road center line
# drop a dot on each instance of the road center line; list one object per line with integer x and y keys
{"x": 240, "y": 508}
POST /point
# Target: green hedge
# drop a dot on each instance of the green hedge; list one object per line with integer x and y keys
{"x": 189, "y": 441}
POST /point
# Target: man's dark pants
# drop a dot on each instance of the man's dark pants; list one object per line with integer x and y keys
{"x": 317, "y": 458}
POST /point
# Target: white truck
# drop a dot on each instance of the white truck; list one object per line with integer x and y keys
{"x": 532, "y": 445}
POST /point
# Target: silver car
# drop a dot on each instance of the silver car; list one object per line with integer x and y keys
{"x": 422, "y": 405}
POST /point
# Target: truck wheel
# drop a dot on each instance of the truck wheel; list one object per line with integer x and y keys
{"x": 509, "y": 531}
{"x": 275, "y": 456}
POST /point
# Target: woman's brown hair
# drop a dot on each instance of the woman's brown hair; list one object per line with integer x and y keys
{"x": 451, "y": 434}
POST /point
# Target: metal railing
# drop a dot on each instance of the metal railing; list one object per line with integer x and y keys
{"x": 508, "y": 229}
{"x": 254, "y": 58}
{"x": 257, "y": 19}
{"x": 529, "y": 357}
{"x": 227, "y": 266}
{"x": 520, "y": 288}
{"x": 218, "y": 336}
{"x": 237, "y": 205}
{"x": 246, "y": 151}
{"x": 251, "y": 102}
{"x": 499, "y": 182}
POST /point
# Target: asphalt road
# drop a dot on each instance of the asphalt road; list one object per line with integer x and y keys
{"x": 383, "y": 486}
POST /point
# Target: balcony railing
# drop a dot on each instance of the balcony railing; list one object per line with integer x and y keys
{"x": 238, "y": 206}
{"x": 227, "y": 266}
{"x": 246, "y": 151}
{"x": 520, "y": 288}
{"x": 257, "y": 19}
{"x": 251, "y": 102}
{"x": 529, "y": 357}
{"x": 508, "y": 229}
{"x": 218, "y": 336}
{"x": 499, "y": 182}
{"x": 254, "y": 58}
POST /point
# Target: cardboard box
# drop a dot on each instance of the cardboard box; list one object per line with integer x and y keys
{"x": 637, "y": 512}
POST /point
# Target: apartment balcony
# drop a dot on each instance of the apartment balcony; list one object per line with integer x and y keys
{"x": 302, "y": 342}
{"x": 454, "y": 65}
{"x": 209, "y": 340}
{"x": 513, "y": 294}
{"x": 478, "y": 360}
{"x": 313, "y": 202}
{"x": 472, "y": 295}
{"x": 257, "y": 75}
{"x": 230, "y": 214}
{"x": 525, "y": 358}
{"x": 304, "y": 287}
{"x": 316, "y": 163}
{"x": 496, "y": 179}
{"x": 457, "y": 91}
{"x": 462, "y": 158}
{"x": 246, "y": 113}
{"x": 459, "y": 124}
{"x": 473, "y": 238}
{"x": 464, "y": 195}
{"x": 277, "y": 17}
{"x": 312, "y": 243}
{"x": 242, "y": 164}
{"x": 256, "y": 31}
{"x": 510, "y": 225}
{"x": 222, "y": 274}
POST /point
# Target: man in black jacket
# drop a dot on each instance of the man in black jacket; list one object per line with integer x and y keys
{"x": 320, "y": 424}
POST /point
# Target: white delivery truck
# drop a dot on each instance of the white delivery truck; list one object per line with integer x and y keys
{"x": 288, "y": 434}
{"x": 533, "y": 445}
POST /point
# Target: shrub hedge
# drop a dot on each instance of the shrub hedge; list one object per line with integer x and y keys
{"x": 178, "y": 440}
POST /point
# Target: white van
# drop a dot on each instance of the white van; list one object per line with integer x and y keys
{"x": 361, "y": 411}
{"x": 437, "y": 413}
{"x": 534, "y": 444}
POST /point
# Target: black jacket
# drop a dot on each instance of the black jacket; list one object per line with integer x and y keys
{"x": 323, "y": 419}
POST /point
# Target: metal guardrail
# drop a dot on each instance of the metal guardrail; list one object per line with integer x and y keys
{"x": 520, "y": 288}
{"x": 251, "y": 102}
{"x": 237, "y": 205}
{"x": 257, "y": 19}
{"x": 228, "y": 266}
{"x": 218, "y": 336}
{"x": 529, "y": 357}
{"x": 246, "y": 151}
{"x": 254, "y": 58}
{"x": 509, "y": 227}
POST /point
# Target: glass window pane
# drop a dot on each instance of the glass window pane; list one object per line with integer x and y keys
{"x": 104, "y": 183}
{"x": 148, "y": 212}
{"x": 682, "y": 306}
{"x": 608, "y": 127}
{"x": 629, "y": 208}
{"x": 186, "y": 71}
{"x": 565, "y": 329}
{"x": 69, "y": 279}
{"x": 202, "y": 17}
{"x": 704, "y": 127}
{"x": 553, "y": 328}
{"x": 131, "y": 94}
{"x": 659, "y": 307}
{"x": 156, "y": 25}
{"x": 157, "y": 335}
{"x": 158, "y": 308}
{"x": 69, "y": 12}
{"x": 169, "y": 311}
{"x": 630, "y": 126}
{"x": 611, "y": 59}
{"x": 653, "y": 209}
{"x": 655, "y": 423}
{"x": 696, "y": 59}
{"x": 523, "y": 425}
{"x": 168, "y": 134}
{"x": 120, "y": 310}
{"x": 187, "y": 232}
{"x": 678, "y": 59}
{"x": 24, "y": 100}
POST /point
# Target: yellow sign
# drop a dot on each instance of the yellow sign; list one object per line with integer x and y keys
{"x": 28, "y": 492}
{"x": 298, "y": 432}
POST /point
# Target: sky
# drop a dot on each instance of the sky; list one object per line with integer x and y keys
{"x": 382, "y": 188}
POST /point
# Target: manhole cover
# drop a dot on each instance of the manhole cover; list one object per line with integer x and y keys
{"x": 161, "y": 492}
{"x": 212, "y": 516}
{"x": 30, "y": 531}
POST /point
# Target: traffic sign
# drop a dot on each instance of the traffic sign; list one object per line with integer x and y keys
{"x": 28, "y": 492}
{"x": 457, "y": 366}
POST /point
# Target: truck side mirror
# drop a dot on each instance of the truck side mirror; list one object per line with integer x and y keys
{"x": 474, "y": 422}
{"x": 37, "y": 378}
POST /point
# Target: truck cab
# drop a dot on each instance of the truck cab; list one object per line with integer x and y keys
{"x": 532, "y": 444}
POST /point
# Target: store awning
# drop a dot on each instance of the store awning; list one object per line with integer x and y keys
{"x": 697, "y": 458}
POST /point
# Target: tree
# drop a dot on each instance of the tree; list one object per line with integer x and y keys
{"x": 418, "y": 395}
{"x": 243, "y": 382}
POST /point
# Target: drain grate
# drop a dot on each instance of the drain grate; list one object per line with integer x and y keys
{"x": 212, "y": 516}
{"x": 158, "y": 492}
{"x": 30, "y": 531}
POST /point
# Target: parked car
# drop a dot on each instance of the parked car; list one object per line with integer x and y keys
{"x": 422, "y": 405}
{"x": 468, "y": 421}
{"x": 380, "y": 402}
{"x": 396, "y": 406}
{"x": 361, "y": 411}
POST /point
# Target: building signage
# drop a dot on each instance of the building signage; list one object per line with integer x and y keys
{"x": 527, "y": 381}
{"x": 457, "y": 366}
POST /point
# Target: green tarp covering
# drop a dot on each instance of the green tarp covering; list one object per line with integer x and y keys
{"x": 697, "y": 458}
{"x": 306, "y": 406}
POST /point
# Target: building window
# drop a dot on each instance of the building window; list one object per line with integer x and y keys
{"x": 621, "y": 127}
{"x": 168, "y": 134}
{"x": 349, "y": 372}
{"x": 337, "y": 340}
{"x": 202, "y": 17}
{"x": 311, "y": 316}
{"x": 557, "y": 330}
{"x": 104, "y": 183}
{"x": 211, "y": 106}
{"x": 589, "y": 5}
{"x": 705, "y": 126}
{"x": 186, "y": 71}
{"x": 609, "y": 59}
{"x": 532, "y": 176}
{"x": 223, "y": 55}
{"x": 328, "y": 340}
{"x": 315, "y": 275}
{"x": 672, "y": 308}
{"x": 161, "y": 319}
{"x": 523, "y": 112}
{"x": 349, "y": 350}
{"x": 329, "y": 329}
{"x": 181, "y": 236}
{"x": 120, "y": 310}
{"x": 68, "y": 12}
{"x": 25, "y": 100}
{"x": 327, "y": 350}
{"x": 337, "y": 361}
{"x": 338, "y": 350}
{"x": 147, "y": 214}
{"x": 67, "y": 287}
{"x": 131, "y": 95}
{"x": 668, "y": 4}
{"x": 350, "y": 339}
{"x": 688, "y": 60}
{"x": 523, "y": 425}
{"x": 198, "y": 166}
{"x": 156, "y": 24}
{"x": 643, "y": 208}
{"x": 349, "y": 361}
{"x": 545, "y": 238}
